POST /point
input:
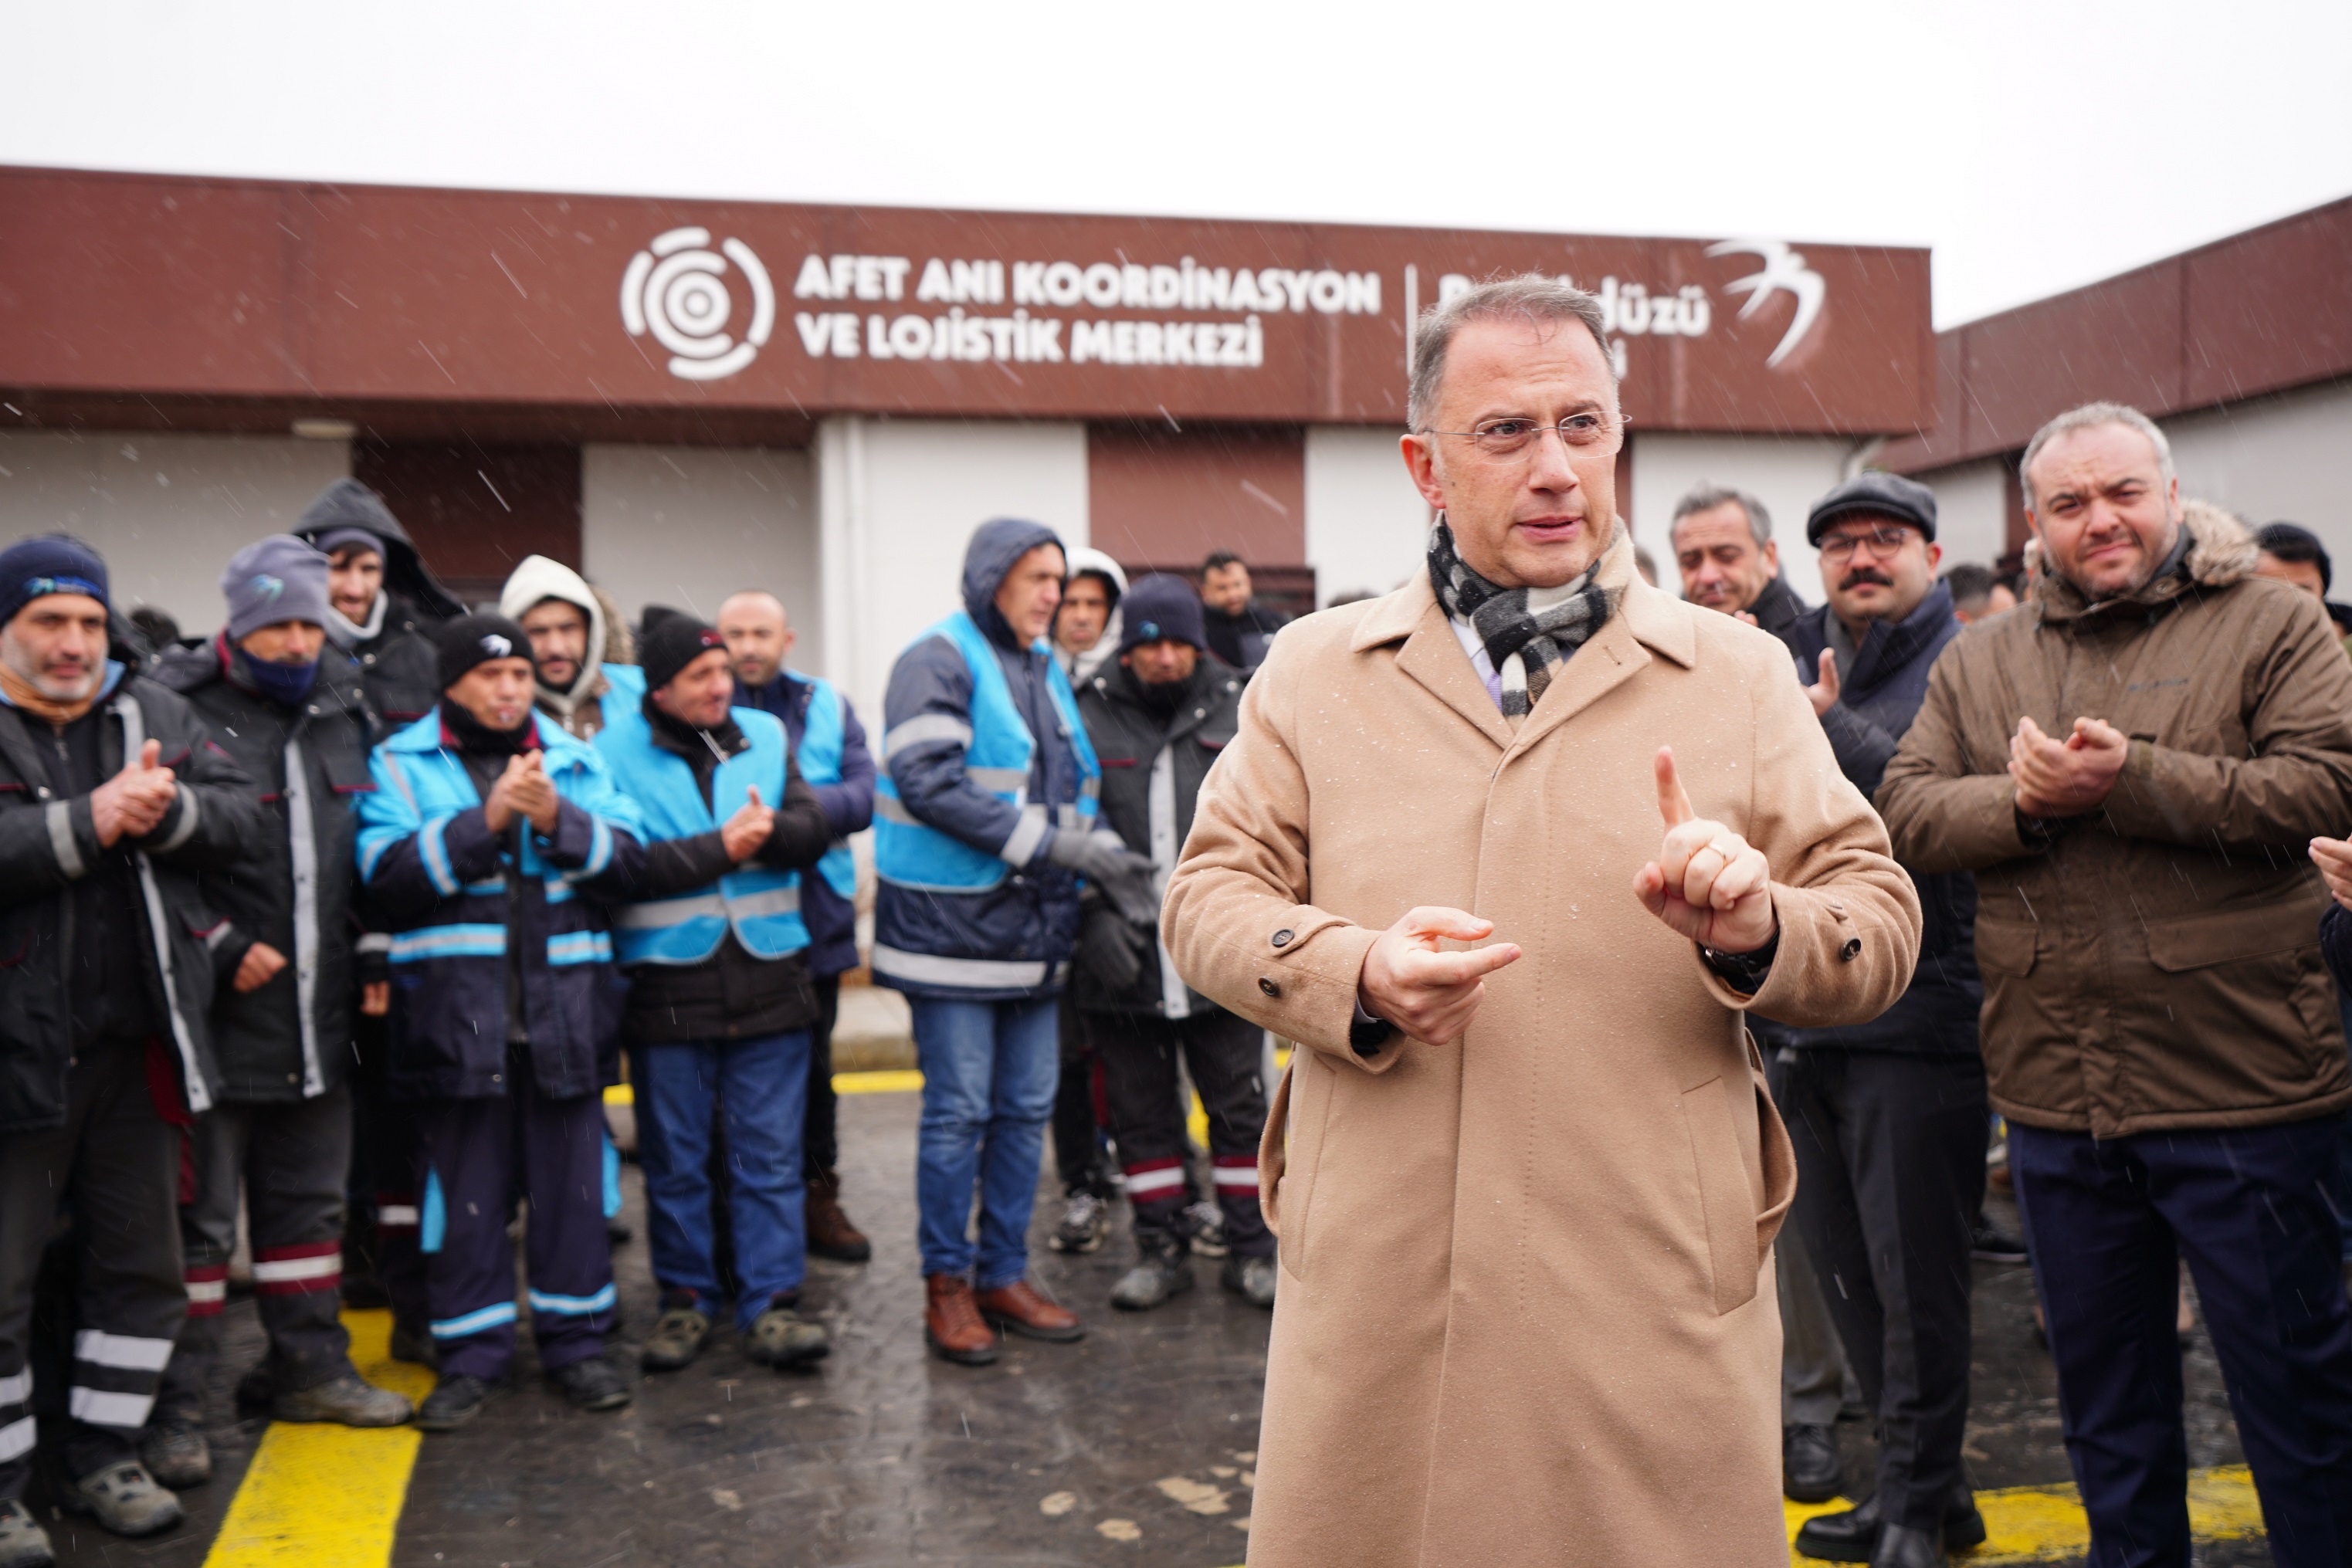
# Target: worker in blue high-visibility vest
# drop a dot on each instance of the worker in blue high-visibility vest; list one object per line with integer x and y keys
{"x": 985, "y": 821}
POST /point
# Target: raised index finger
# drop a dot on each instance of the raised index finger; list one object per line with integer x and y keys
{"x": 1673, "y": 804}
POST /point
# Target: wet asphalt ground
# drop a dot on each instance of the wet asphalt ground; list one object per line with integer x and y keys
{"x": 1133, "y": 1447}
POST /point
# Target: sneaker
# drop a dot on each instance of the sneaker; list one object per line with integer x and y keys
{"x": 414, "y": 1345}
{"x": 1161, "y": 1273}
{"x": 1251, "y": 1278}
{"x": 594, "y": 1384}
{"x": 174, "y": 1451}
{"x": 23, "y": 1542}
{"x": 1988, "y": 1243}
{"x": 454, "y": 1400}
{"x": 1086, "y": 1224}
{"x": 781, "y": 1337}
{"x": 349, "y": 1400}
{"x": 1206, "y": 1223}
{"x": 124, "y": 1498}
{"x": 675, "y": 1340}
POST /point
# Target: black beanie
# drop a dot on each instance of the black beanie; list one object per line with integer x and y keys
{"x": 671, "y": 644}
{"x": 1160, "y": 608}
{"x": 472, "y": 640}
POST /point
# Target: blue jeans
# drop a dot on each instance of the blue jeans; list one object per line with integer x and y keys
{"x": 990, "y": 1070}
{"x": 761, "y": 1087}
{"x": 2247, "y": 1207}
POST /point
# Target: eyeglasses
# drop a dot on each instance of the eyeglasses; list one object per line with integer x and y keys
{"x": 1882, "y": 542}
{"x": 1503, "y": 439}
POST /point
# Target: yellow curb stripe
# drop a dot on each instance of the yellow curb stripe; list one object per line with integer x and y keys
{"x": 2041, "y": 1524}
{"x": 888, "y": 1082}
{"x": 327, "y": 1496}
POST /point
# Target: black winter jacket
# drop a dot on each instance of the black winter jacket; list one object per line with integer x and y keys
{"x": 298, "y": 896}
{"x": 1877, "y": 700}
{"x": 398, "y": 664}
{"x": 1130, "y": 737}
{"x": 49, "y": 843}
{"x": 730, "y": 995}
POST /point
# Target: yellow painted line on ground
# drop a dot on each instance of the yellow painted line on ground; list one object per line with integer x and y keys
{"x": 893, "y": 1081}
{"x": 323, "y": 1495}
{"x": 2044, "y": 1524}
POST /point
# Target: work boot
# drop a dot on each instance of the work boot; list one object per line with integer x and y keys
{"x": 414, "y": 1345}
{"x": 781, "y": 1337}
{"x": 456, "y": 1399}
{"x": 952, "y": 1324}
{"x": 124, "y": 1498}
{"x": 830, "y": 1234}
{"x": 1017, "y": 1308}
{"x": 1851, "y": 1535}
{"x": 594, "y": 1384}
{"x": 174, "y": 1450}
{"x": 348, "y": 1400}
{"x": 23, "y": 1542}
{"x": 1161, "y": 1272}
{"x": 1085, "y": 1223}
{"x": 1811, "y": 1470}
{"x": 1900, "y": 1546}
{"x": 678, "y": 1335}
{"x": 1251, "y": 1278}
{"x": 1206, "y": 1223}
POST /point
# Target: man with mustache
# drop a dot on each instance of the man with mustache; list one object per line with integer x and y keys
{"x": 1888, "y": 1116}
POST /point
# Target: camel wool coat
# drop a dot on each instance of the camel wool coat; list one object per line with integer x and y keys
{"x": 1524, "y": 1311}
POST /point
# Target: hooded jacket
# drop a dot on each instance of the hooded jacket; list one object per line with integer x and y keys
{"x": 1878, "y": 696}
{"x": 579, "y": 706}
{"x": 1011, "y": 941}
{"x": 1082, "y": 668}
{"x": 2155, "y": 963}
{"x": 49, "y": 850}
{"x": 394, "y": 648}
{"x": 266, "y": 1049}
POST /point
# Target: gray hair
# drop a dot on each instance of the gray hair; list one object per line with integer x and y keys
{"x": 2085, "y": 418}
{"x": 1531, "y": 296}
{"x": 1704, "y": 497}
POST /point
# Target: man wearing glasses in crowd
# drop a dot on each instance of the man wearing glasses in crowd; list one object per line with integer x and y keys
{"x": 1888, "y": 1116}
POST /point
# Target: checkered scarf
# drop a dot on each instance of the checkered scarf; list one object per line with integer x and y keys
{"x": 1528, "y": 632}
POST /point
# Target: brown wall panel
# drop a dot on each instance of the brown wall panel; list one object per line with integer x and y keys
{"x": 476, "y": 510}
{"x": 1166, "y": 498}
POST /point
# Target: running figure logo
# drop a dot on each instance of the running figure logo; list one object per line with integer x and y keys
{"x": 1784, "y": 272}
{"x": 675, "y": 288}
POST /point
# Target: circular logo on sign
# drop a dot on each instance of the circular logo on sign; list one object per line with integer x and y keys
{"x": 675, "y": 288}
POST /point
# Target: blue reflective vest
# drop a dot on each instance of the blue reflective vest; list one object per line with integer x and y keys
{"x": 821, "y": 744}
{"x": 762, "y": 905}
{"x": 913, "y": 854}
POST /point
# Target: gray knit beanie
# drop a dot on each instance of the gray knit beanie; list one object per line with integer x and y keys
{"x": 278, "y": 578}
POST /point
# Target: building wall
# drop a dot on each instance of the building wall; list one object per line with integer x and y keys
{"x": 1166, "y": 498}
{"x": 475, "y": 508}
{"x": 897, "y": 501}
{"x": 2287, "y": 457}
{"x": 687, "y": 525}
{"x": 1788, "y": 474}
{"x": 1367, "y": 527}
{"x": 166, "y": 511}
{"x": 1971, "y": 510}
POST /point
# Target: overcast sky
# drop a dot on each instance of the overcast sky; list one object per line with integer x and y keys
{"x": 2034, "y": 145}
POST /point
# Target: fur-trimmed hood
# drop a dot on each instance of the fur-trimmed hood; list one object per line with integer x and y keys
{"x": 2215, "y": 550}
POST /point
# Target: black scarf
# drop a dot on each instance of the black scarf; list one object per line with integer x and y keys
{"x": 1528, "y": 632}
{"x": 474, "y": 735}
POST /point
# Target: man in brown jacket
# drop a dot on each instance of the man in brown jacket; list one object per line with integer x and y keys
{"x": 1529, "y": 1189}
{"x": 2132, "y": 763}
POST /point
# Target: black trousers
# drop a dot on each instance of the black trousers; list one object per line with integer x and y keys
{"x": 1223, "y": 1053}
{"x": 1079, "y": 1114}
{"x": 1890, "y": 1174}
{"x": 387, "y": 1179}
{"x": 2248, "y": 1207}
{"x": 820, "y": 1126}
{"x": 115, "y": 1165}
{"x": 291, "y": 1161}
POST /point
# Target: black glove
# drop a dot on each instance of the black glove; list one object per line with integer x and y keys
{"x": 1111, "y": 948}
{"x": 1124, "y": 877}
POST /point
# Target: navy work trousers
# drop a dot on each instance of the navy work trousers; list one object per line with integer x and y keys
{"x": 2106, "y": 1223}
{"x": 481, "y": 1155}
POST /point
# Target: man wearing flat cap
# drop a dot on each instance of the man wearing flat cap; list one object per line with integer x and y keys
{"x": 1888, "y": 1116}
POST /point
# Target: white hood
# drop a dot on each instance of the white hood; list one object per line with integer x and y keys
{"x": 539, "y": 578}
{"x": 1081, "y": 667}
